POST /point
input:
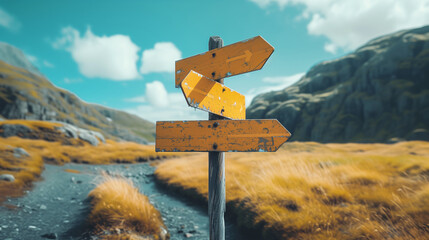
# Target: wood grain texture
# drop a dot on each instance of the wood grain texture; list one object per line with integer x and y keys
{"x": 220, "y": 135}
{"x": 241, "y": 57}
{"x": 216, "y": 182}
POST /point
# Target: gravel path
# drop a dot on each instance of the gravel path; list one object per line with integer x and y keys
{"x": 56, "y": 206}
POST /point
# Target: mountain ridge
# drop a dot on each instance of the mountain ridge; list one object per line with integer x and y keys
{"x": 25, "y": 94}
{"x": 378, "y": 93}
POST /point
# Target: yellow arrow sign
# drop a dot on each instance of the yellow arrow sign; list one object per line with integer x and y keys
{"x": 220, "y": 136}
{"x": 211, "y": 96}
{"x": 234, "y": 59}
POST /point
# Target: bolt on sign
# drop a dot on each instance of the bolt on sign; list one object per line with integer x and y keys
{"x": 208, "y": 95}
{"x": 195, "y": 76}
{"x": 242, "y": 57}
{"x": 221, "y": 136}
{"x": 199, "y": 77}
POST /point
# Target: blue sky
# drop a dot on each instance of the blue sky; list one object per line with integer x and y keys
{"x": 121, "y": 53}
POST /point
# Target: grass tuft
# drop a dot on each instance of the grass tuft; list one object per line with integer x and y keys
{"x": 59, "y": 149}
{"x": 118, "y": 208}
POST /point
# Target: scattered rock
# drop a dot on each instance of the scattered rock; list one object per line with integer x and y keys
{"x": 75, "y": 132}
{"x": 43, "y": 207}
{"x": 188, "y": 235}
{"x": 7, "y": 177}
{"x": 163, "y": 233}
{"x": 20, "y": 152}
{"x": 86, "y": 136}
{"x": 69, "y": 130}
{"x": 50, "y": 236}
{"x": 9, "y": 130}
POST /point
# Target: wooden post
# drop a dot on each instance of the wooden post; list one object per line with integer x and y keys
{"x": 216, "y": 173}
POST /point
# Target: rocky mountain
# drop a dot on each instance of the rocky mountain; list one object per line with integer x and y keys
{"x": 17, "y": 58}
{"x": 26, "y": 94}
{"x": 379, "y": 93}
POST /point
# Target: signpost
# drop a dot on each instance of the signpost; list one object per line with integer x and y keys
{"x": 201, "y": 79}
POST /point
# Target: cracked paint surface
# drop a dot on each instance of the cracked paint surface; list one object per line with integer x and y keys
{"x": 221, "y": 136}
{"x": 241, "y": 57}
{"x": 208, "y": 95}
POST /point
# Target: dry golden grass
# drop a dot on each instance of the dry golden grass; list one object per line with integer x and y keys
{"x": 321, "y": 191}
{"x": 60, "y": 150}
{"x": 119, "y": 211}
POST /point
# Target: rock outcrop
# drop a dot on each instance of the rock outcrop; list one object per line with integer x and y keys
{"x": 378, "y": 93}
{"x": 26, "y": 94}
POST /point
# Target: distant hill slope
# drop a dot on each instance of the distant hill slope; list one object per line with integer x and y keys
{"x": 26, "y": 95}
{"x": 376, "y": 94}
{"x": 15, "y": 57}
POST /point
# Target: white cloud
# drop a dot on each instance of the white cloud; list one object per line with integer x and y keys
{"x": 164, "y": 107}
{"x": 8, "y": 21}
{"x": 48, "y": 64}
{"x": 33, "y": 59}
{"x": 273, "y": 84}
{"x": 138, "y": 99}
{"x": 38, "y": 63}
{"x": 111, "y": 57}
{"x": 349, "y": 24}
{"x": 161, "y": 58}
{"x": 72, "y": 80}
{"x": 156, "y": 94}
{"x": 265, "y": 3}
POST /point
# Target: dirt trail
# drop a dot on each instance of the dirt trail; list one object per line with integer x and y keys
{"x": 56, "y": 206}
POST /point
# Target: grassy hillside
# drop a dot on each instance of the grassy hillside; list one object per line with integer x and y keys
{"x": 25, "y": 95}
{"x": 319, "y": 191}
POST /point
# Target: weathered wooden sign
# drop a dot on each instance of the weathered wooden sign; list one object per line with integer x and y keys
{"x": 208, "y": 95}
{"x": 201, "y": 80}
{"x": 220, "y": 136}
{"x": 234, "y": 59}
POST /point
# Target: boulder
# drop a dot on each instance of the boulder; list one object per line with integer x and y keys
{"x": 20, "y": 152}
{"x": 9, "y": 130}
{"x": 87, "y": 136}
{"x": 7, "y": 177}
{"x": 72, "y": 131}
